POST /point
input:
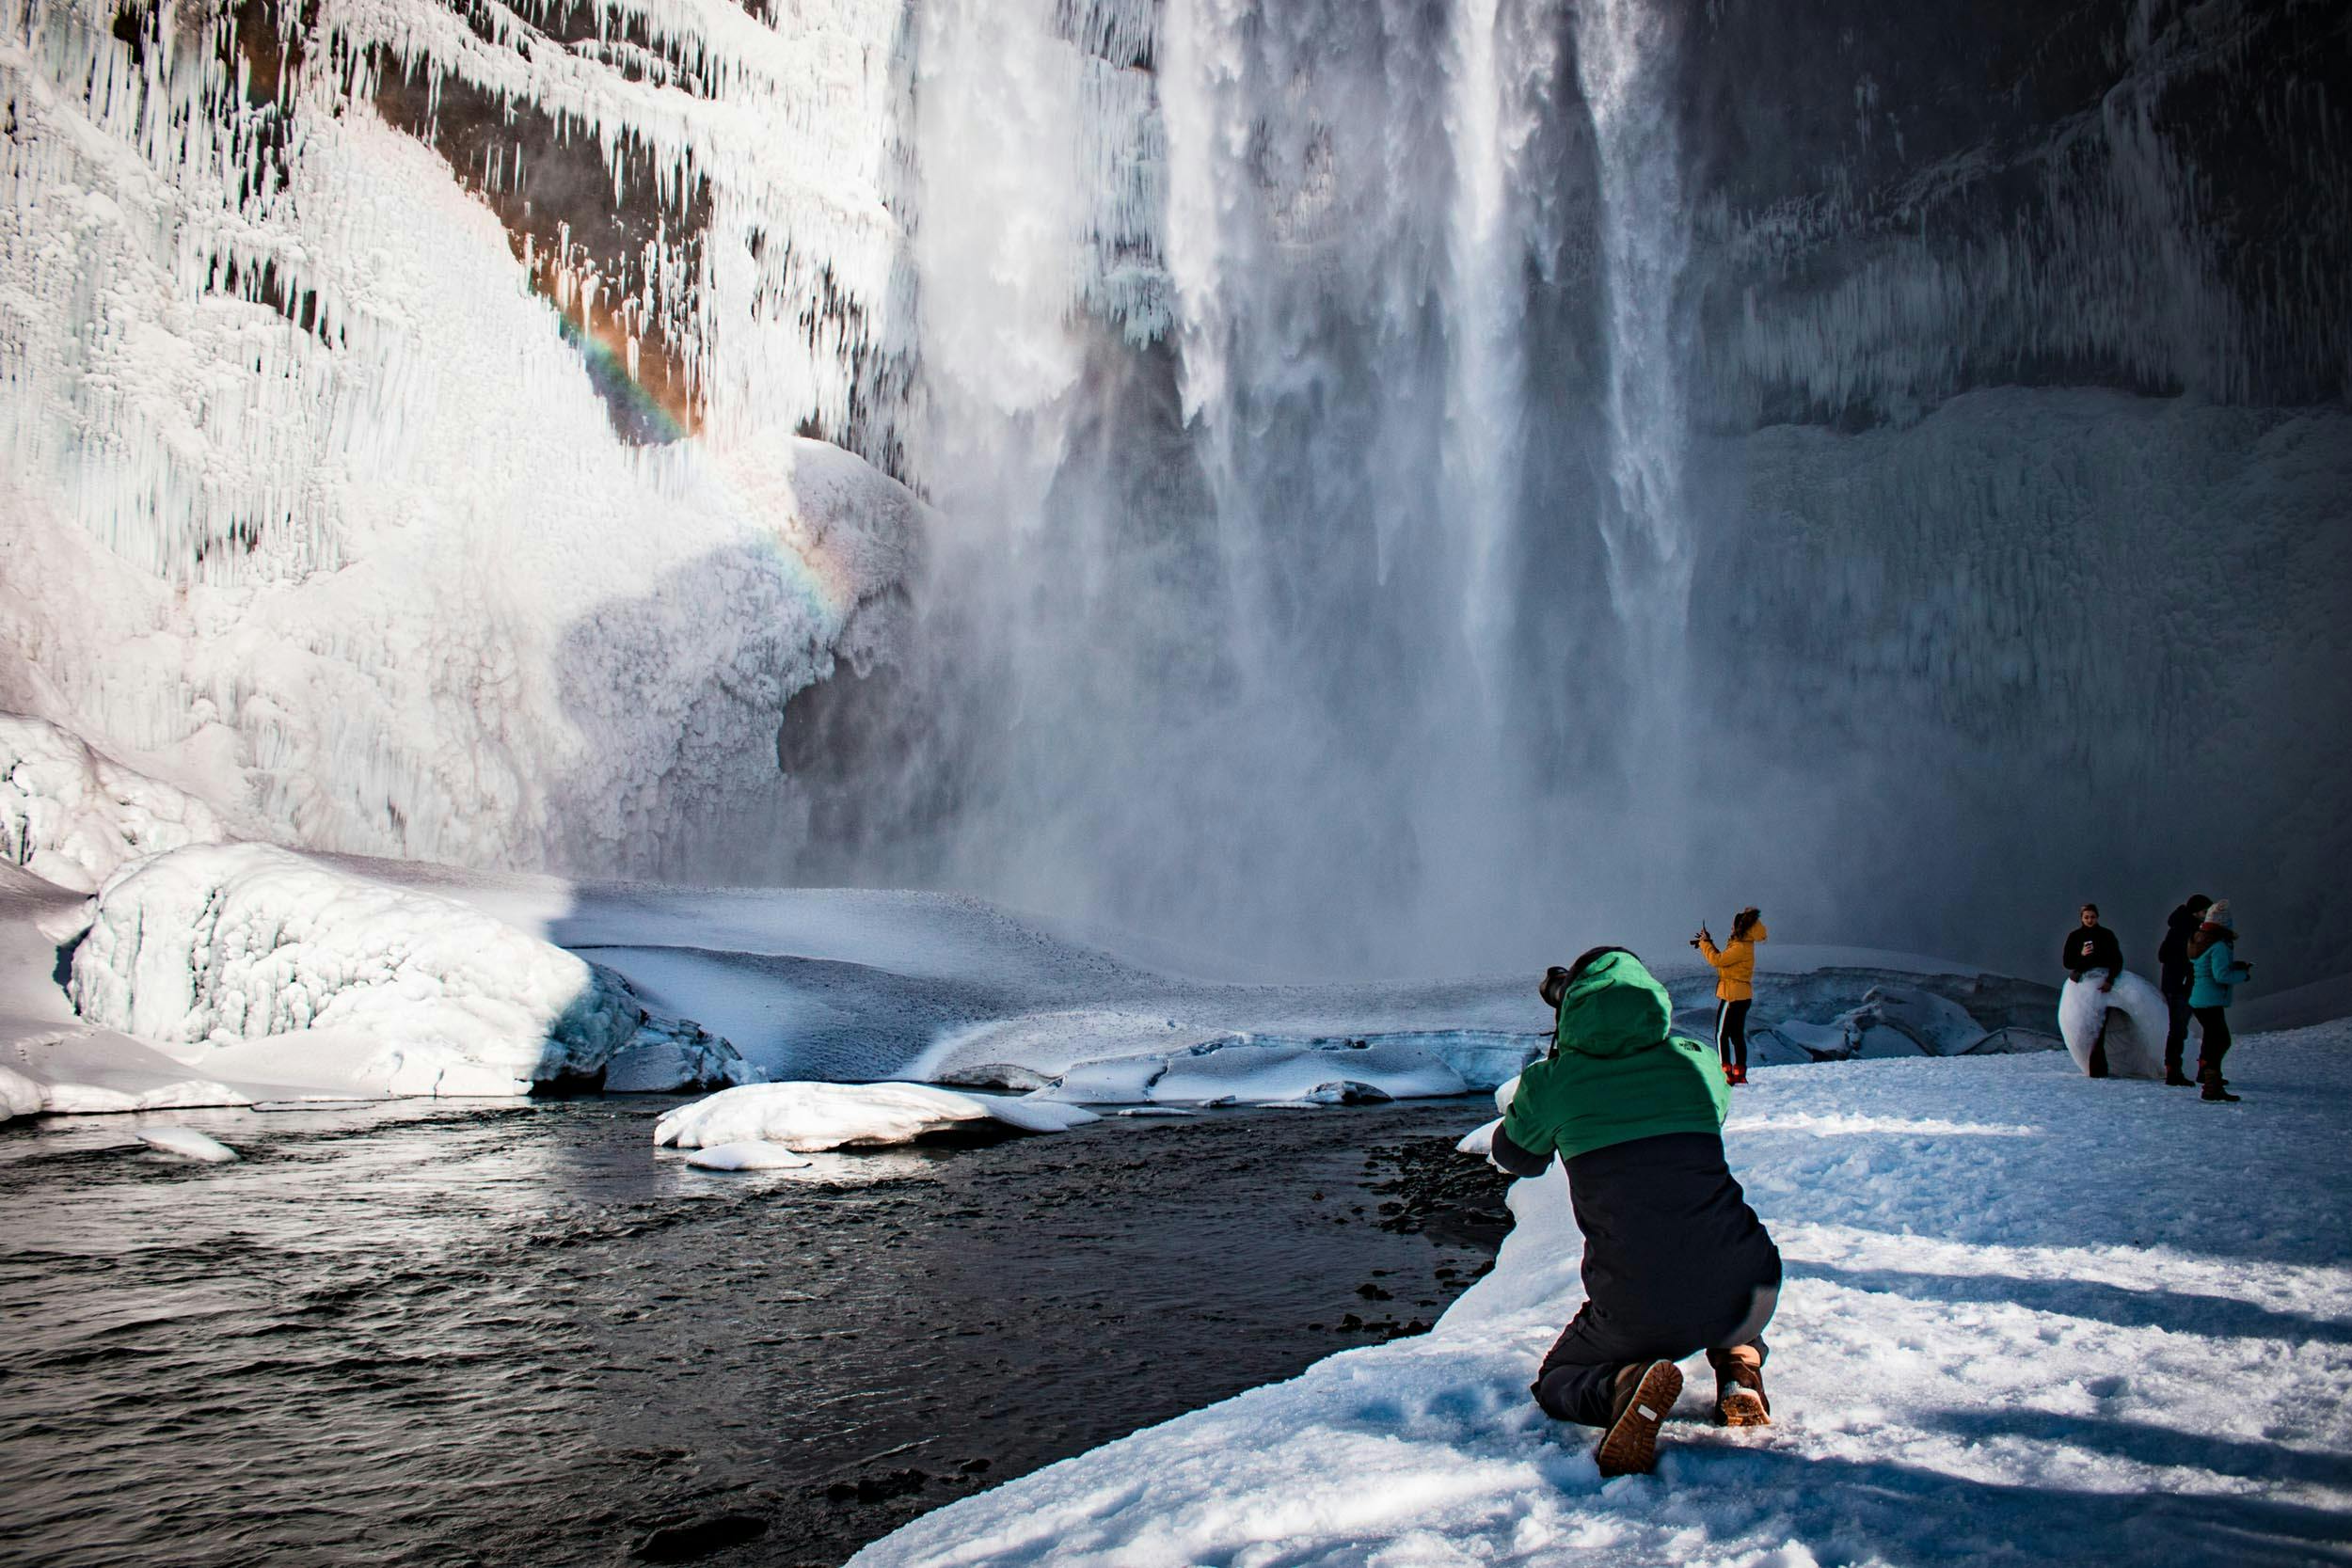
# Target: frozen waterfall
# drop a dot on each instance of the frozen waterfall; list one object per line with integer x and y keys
{"x": 1348, "y": 484}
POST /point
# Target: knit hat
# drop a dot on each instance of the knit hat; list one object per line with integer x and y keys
{"x": 2217, "y": 913}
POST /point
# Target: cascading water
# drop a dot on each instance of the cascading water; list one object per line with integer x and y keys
{"x": 1256, "y": 667}
{"x": 1624, "y": 55}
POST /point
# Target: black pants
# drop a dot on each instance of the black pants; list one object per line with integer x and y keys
{"x": 2176, "y": 1031}
{"x": 2215, "y": 1022}
{"x": 2097, "y": 1065}
{"x": 1578, "y": 1381}
{"x": 1731, "y": 1033}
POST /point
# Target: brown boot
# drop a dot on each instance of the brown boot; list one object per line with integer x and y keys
{"x": 1646, "y": 1391}
{"x": 1739, "y": 1400}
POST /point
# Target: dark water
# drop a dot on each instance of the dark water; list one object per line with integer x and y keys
{"x": 433, "y": 1333}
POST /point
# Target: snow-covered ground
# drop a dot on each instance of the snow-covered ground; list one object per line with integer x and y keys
{"x": 2030, "y": 1318}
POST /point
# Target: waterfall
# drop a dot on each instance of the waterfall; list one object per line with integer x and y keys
{"x": 1501, "y": 79}
{"x": 1624, "y": 57}
{"x": 1247, "y": 636}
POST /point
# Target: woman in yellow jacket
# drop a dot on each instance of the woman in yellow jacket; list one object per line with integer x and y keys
{"x": 1735, "y": 988}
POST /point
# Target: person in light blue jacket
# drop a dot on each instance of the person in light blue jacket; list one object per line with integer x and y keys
{"x": 2214, "y": 963}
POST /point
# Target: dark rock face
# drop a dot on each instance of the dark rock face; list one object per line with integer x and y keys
{"x": 1903, "y": 203}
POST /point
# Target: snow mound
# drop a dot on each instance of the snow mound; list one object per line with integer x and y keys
{"x": 809, "y": 1116}
{"x": 188, "y": 1144}
{"x": 2137, "y": 1021}
{"x": 1242, "y": 1071}
{"x": 72, "y": 816}
{"x": 19, "y": 1095}
{"x": 272, "y": 965}
{"x": 751, "y": 1154}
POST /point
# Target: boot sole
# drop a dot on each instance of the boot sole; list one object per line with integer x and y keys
{"x": 1742, "y": 1409}
{"x": 1629, "y": 1447}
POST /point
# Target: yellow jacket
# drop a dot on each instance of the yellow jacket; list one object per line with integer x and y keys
{"x": 1736, "y": 961}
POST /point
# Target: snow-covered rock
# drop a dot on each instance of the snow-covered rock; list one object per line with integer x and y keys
{"x": 2135, "y": 1020}
{"x": 188, "y": 1144}
{"x": 669, "y": 1056}
{"x": 1241, "y": 1070}
{"x": 72, "y": 816}
{"x": 1890, "y": 1022}
{"x": 249, "y": 959}
{"x": 809, "y": 1116}
{"x": 751, "y": 1154}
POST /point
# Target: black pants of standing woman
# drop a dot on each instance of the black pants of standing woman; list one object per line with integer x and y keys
{"x": 2215, "y": 1022}
{"x": 1731, "y": 1033}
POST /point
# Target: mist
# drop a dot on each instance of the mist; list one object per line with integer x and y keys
{"x": 1423, "y": 489}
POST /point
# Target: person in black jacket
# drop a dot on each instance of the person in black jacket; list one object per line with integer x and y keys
{"x": 2179, "y": 976}
{"x": 2090, "y": 947}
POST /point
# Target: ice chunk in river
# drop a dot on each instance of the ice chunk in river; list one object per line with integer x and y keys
{"x": 809, "y": 1116}
{"x": 187, "y": 1143}
{"x": 751, "y": 1154}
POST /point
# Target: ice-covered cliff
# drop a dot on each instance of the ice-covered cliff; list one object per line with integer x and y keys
{"x": 334, "y": 482}
{"x": 1410, "y": 486}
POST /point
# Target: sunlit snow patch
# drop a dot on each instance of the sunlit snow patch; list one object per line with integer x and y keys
{"x": 809, "y": 1116}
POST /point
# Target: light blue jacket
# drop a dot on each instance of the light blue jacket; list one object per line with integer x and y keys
{"x": 2216, "y": 970}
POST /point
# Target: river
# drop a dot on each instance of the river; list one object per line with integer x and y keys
{"x": 426, "y": 1332}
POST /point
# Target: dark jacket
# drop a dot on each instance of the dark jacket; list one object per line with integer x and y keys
{"x": 1668, "y": 1234}
{"x": 2090, "y": 947}
{"x": 2173, "y": 955}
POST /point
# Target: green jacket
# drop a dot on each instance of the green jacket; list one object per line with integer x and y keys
{"x": 1616, "y": 1072}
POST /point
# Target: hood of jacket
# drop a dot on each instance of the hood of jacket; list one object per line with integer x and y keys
{"x": 1615, "y": 1008}
{"x": 2207, "y": 934}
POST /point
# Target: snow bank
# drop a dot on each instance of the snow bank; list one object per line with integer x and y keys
{"x": 1976, "y": 1358}
{"x": 188, "y": 1144}
{"x": 256, "y": 962}
{"x": 811, "y": 1117}
{"x": 2136, "y": 1020}
{"x": 70, "y": 816}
